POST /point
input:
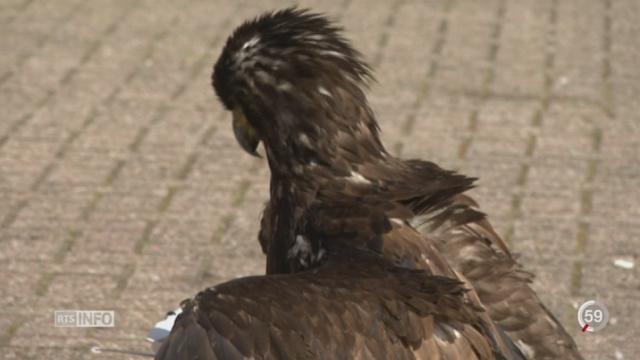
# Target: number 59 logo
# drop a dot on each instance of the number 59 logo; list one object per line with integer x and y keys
{"x": 593, "y": 316}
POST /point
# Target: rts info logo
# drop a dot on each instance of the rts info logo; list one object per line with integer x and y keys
{"x": 84, "y": 318}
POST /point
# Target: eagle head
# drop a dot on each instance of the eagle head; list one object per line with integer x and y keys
{"x": 293, "y": 82}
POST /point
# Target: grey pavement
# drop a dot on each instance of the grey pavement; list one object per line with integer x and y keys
{"x": 122, "y": 188}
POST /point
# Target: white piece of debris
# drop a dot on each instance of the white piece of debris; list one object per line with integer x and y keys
{"x": 575, "y": 304}
{"x": 619, "y": 355}
{"x": 623, "y": 263}
{"x": 162, "y": 329}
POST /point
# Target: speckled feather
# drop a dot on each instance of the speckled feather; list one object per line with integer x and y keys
{"x": 467, "y": 240}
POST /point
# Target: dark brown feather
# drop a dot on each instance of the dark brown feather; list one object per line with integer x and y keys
{"x": 353, "y": 306}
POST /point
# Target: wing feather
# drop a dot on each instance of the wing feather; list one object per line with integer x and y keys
{"x": 352, "y": 309}
{"x": 470, "y": 244}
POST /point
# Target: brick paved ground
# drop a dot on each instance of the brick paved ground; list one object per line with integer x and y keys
{"x": 121, "y": 186}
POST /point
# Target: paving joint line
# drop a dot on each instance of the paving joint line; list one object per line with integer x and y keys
{"x": 522, "y": 97}
{"x": 181, "y": 176}
{"x": 490, "y": 75}
{"x": 586, "y": 193}
{"x": 608, "y": 101}
{"x": 424, "y": 90}
{"x": 24, "y": 119}
{"x": 226, "y": 220}
{"x": 583, "y": 224}
{"x": 537, "y": 121}
{"x": 21, "y": 9}
{"x": 122, "y": 280}
{"x": 11, "y": 330}
{"x": 383, "y": 40}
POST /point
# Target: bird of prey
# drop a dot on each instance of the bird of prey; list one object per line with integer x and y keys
{"x": 355, "y": 305}
{"x": 294, "y": 83}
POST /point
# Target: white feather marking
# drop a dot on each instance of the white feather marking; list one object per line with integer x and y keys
{"x": 439, "y": 333}
{"x": 357, "y": 178}
{"x": 397, "y": 221}
{"x": 304, "y": 140}
{"x": 316, "y": 37}
{"x": 469, "y": 253}
{"x": 284, "y": 86}
{"x": 264, "y": 76}
{"x": 457, "y": 231}
{"x": 247, "y": 50}
{"x": 322, "y": 90}
{"x": 332, "y": 53}
{"x": 527, "y": 350}
{"x": 301, "y": 247}
{"x": 254, "y": 40}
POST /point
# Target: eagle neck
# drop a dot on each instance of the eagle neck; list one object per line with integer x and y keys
{"x": 283, "y": 229}
{"x": 290, "y": 199}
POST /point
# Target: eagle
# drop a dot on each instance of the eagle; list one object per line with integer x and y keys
{"x": 368, "y": 255}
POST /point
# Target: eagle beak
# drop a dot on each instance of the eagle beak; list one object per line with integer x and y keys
{"x": 245, "y": 133}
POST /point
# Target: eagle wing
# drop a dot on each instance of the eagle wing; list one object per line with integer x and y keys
{"x": 470, "y": 245}
{"x": 348, "y": 308}
{"x": 455, "y": 232}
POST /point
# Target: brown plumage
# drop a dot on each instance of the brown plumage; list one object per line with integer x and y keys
{"x": 354, "y": 306}
{"x": 467, "y": 240}
{"x": 295, "y": 84}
